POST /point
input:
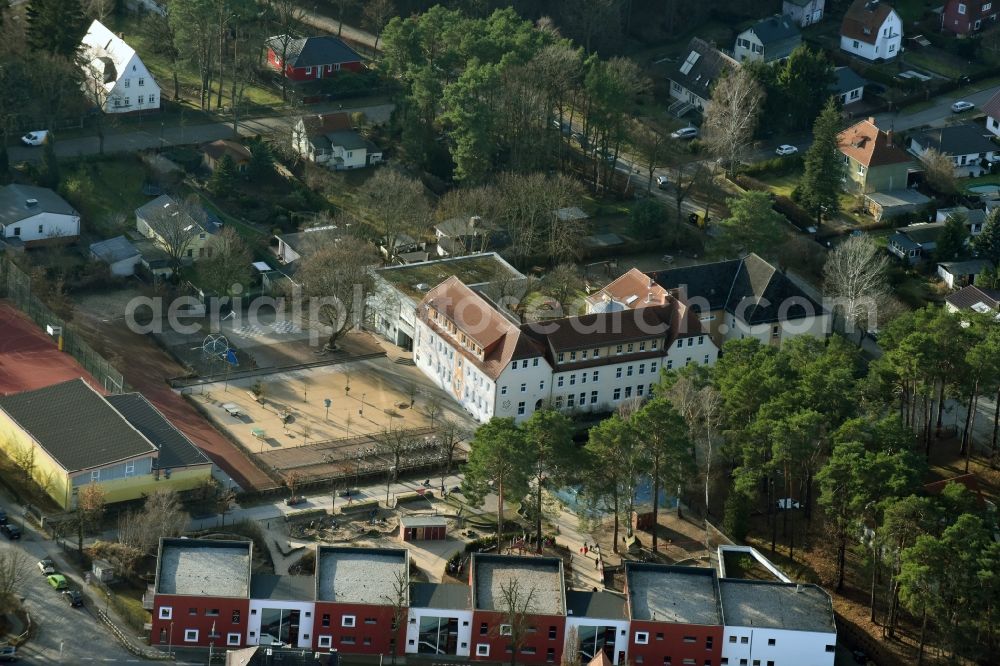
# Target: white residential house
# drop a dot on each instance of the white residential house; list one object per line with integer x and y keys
{"x": 848, "y": 87}
{"x": 958, "y": 274}
{"x": 118, "y": 253}
{"x": 114, "y": 75}
{"x": 970, "y": 150}
{"x": 329, "y": 140}
{"x": 36, "y": 215}
{"x": 804, "y": 12}
{"x": 691, "y": 83}
{"x": 770, "y": 40}
{"x": 871, "y": 30}
{"x": 992, "y": 111}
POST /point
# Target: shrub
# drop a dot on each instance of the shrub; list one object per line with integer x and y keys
{"x": 736, "y": 522}
{"x": 647, "y": 219}
{"x": 797, "y": 215}
{"x": 776, "y": 165}
{"x": 750, "y": 183}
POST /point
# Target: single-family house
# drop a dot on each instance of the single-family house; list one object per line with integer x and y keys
{"x": 992, "y": 111}
{"x": 916, "y": 241}
{"x": 893, "y": 203}
{"x": 969, "y": 148}
{"x": 214, "y": 152}
{"x": 174, "y": 225}
{"x": 871, "y": 30}
{"x": 32, "y": 215}
{"x": 330, "y": 140}
{"x": 311, "y": 58}
{"x": 468, "y": 235}
{"x": 769, "y": 40}
{"x": 804, "y": 12}
{"x": 957, "y": 274}
{"x": 967, "y": 17}
{"x": 118, "y": 253}
{"x": 975, "y": 218}
{"x": 291, "y": 248}
{"x": 972, "y": 297}
{"x": 691, "y": 82}
{"x": 848, "y": 86}
{"x": 873, "y": 163}
{"x": 745, "y": 298}
{"x": 114, "y": 77}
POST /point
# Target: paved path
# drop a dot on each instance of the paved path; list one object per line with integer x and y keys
{"x": 152, "y": 134}
{"x": 583, "y": 574}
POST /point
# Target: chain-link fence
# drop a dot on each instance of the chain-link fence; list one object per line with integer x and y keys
{"x": 15, "y": 286}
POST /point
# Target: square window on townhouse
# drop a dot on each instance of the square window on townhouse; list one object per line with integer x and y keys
{"x": 482, "y": 649}
{"x": 775, "y": 331}
{"x": 520, "y": 408}
{"x": 744, "y": 640}
{"x": 596, "y": 354}
{"x": 639, "y": 660}
{"x": 628, "y": 371}
{"x": 583, "y": 399}
{"x": 550, "y": 655}
{"x": 756, "y": 662}
{"x": 630, "y": 347}
{"x": 659, "y": 637}
{"x": 583, "y": 355}
{"x": 831, "y": 648}
{"x": 513, "y": 366}
{"x": 560, "y": 357}
{"x": 618, "y": 349}
{"x": 583, "y": 377}
{"x": 732, "y": 639}
{"x": 641, "y": 637}
{"x": 570, "y": 401}
{"x": 688, "y": 662}
{"x": 706, "y": 359}
{"x": 95, "y": 475}
{"x": 642, "y": 346}
{"x": 212, "y": 612}
{"x": 368, "y": 620}
{"x": 559, "y": 402}
{"x": 253, "y": 611}
{"x": 701, "y": 339}
{"x": 572, "y": 356}
{"x": 326, "y": 620}
{"x": 642, "y": 368}
{"x": 639, "y": 389}
{"x": 141, "y": 99}
{"x": 524, "y": 363}
{"x": 232, "y": 639}
{"x": 552, "y": 632}
{"x": 166, "y": 613}
{"x": 236, "y": 616}
{"x": 484, "y": 629}
{"x": 534, "y": 362}
{"x": 347, "y": 640}
{"x": 347, "y": 621}
{"x": 126, "y": 83}
{"x": 690, "y": 342}
{"x": 524, "y": 387}
{"x": 528, "y": 650}
{"x": 325, "y": 641}
{"x": 190, "y": 635}
{"x": 770, "y": 641}
{"x": 618, "y": 373}
{"x": 503, "y": 390}
{"x": 743, "y": 662}
{"x": 680, "y": 343}
{"x": 670, "y": 364}
{"x": 367, "y": 640}
{"x": 709, "y": 641}
{"x": 192, "y": 611}
{"x": 961, "y": 8}
{"x": 572, "y": 380}
{"x": 690, "y": 639}
{"x": 725, "y": 661}
{"x": 541, "y": 385}
{"x": 593, "y": 397}
{"x": 559, "y": 381}
{"x": 652, "y": 368}
{"x": 617, "y": 395}
{"x": 594, "y": 376}
{"x": 628, "y": 391}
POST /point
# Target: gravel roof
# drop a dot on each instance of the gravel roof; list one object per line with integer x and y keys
{"x": 541, "y": 576}
{"x": 360, "y": 575}
{"x": 684, "y": 595}
{"x": 204, "y": 567}
{"x": 751, "y": 603}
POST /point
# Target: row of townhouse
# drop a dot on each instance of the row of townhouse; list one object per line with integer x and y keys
{"x": 497, "y": 366}
{"x": 360, "y": 602}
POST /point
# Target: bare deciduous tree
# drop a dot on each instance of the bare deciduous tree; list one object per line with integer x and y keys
{"x": 24, "y": 460}
{"x": 394, "y": 443}
{"x": 175, "y": 228}
{"x": 701, "y": 406}
{"x": 732, "y": 114}
{"x": 227, "y": 270}
{"x": 516, "y": 603}
{"x": 336, "y": 279}
{"x": 15, "y": 567}
{"x": 939, "y": 171}
{"x": 286, "y": 18}
{"x": 651, "y": 147}
{"x": 855, "y": 275}
{"x": 394, "y": 204}
{"x": 376, "y": 15}
{"x": 399, "y": 600}
{"x": 89, "y": 508}
{"x": 571, "y": 653}
{"x": 450, "y": 436}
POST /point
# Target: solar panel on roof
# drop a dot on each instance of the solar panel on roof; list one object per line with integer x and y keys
{"x": 690, "y": 61}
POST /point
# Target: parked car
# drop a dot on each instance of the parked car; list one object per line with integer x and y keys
{"x": 295, "y": 499}
{"x": 11, "y": 531}
{"x": 3, "y": 517}
{"x": 47, "y": 567}
{"x": 36, "y": 138}
{"x": 662, "y": 182}
{"x": 961, "y": 106}
{"x": 785, "y": 149}
{"x": 73, "y": 597}
{"x": 685, "y": 133}
{"x": 8, "y": 653}
{"x": 58, "y": 581}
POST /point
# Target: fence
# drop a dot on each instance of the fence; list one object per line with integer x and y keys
{"x": 15, "y": 285}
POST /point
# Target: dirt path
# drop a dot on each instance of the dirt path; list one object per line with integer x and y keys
{"x": 146, "y": 367}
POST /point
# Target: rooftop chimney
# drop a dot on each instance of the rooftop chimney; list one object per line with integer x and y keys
{"x": 30, "y": 203}
{"x": 889, "y": 137}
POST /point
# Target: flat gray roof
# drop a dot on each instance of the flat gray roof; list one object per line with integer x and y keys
{"x": 684, "y": 595}
{"x": 446, "y": 596}
{"x": 752, "y": 603}
{"x": 360, "y": 575}
{"x": 542, "y": 577}
{"x": 282, "y": 588}
{"x": 423, "y": 521}
{"x": 204, "y": 567}
{"x": 471, "y": 269}
{"x": 603, "y": 605}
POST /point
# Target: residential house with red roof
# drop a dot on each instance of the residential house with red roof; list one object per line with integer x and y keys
{"x": 872, "y": 30}
{"x": 873, "y": 162}
{"x": 966, "y": 17}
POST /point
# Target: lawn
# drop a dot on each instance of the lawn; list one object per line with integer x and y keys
{"x": 991, "y": 179}
{"x": 911, "y": 10}
{"x": 106, "y": 192}
{"x": 939, "y": 62}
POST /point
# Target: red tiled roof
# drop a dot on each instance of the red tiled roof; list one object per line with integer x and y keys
{"x": 633, "y": 283}
{"x": 864, "y": 19}
{"x": 870, "y": 146}
{"x": 326, "y": 123}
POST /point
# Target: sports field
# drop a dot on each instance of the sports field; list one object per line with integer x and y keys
{"x": 30, "y": 358}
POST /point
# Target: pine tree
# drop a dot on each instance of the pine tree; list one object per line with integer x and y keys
{"x": 988, "y": 242}
{"x": 224, "y": 177}
{"x": 56, "y": 26}
{"x": 951, "y": 243}
{"x": 50, "y": 176}
{"x": 261, "y": 160}
{"x": 4, "y": 165}
{"x": 820, "y": 186}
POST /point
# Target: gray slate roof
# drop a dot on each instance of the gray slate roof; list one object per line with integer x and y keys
{"x": 767, "y": 604}
{"x": 603, "y": 605}
{"x": 846, "y": 80}
{"x": 114, "y": 249}
{"x": 176, "y": 450}
{"x": 315, "y": 51}
{"x": 75, "y": 425}
{"x": 711, "y": 63}
{"x": 967, "y": 297}
{"x": 167, "y": 205}
{"x": 970, "y": 267}
{"x": 725, "y": 285}
{"x": 965, "y": 139}
{"x": 446, "y": 596}
{"x": 776, "y": 29}
{"x": 13, "y": 207}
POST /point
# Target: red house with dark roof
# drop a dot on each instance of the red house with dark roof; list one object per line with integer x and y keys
{"x": 964, "y": 17}
{"x": 533, "y": 586}
{"x": 312, "y": 58}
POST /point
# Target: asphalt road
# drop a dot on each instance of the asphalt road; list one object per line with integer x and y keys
{"x": 152, "y": 134}
{"x": 938, "y": 114}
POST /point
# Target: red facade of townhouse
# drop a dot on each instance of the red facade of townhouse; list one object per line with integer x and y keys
{"x": 964, "y": 17}
{"x": 542, "y": 645}
{"x": 669, "y": 644}
{"x": 366, "y": 630}
{"x": 176, "y": 616}
{"x": 311, "y": 73}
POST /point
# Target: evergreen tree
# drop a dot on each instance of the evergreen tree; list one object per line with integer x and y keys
{"x": 819, "y": 190}
{"x": 50, "y": 176}
{"x": 261, "y": 160}
{"x": 951, "y": 243}
{"x": 56, "y": 26}
{"x": 223, "y": 179}
{"x": 753, "y": 225}
{"x": 4, "y": 165}
{"x": 804, "y": 73}
{"x": 988, "y": 242}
